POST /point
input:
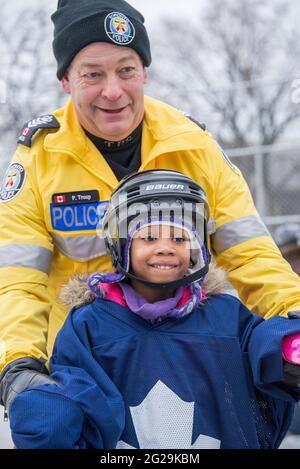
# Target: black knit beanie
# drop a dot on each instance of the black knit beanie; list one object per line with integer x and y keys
{"x": 78, "y": 23}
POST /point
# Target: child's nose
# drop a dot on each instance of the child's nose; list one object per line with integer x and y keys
{"x": 165, "y": 247}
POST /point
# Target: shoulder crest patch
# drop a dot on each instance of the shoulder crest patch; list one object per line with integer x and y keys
{"x": 31, "y": 127}
{"x": 13, "y": 182}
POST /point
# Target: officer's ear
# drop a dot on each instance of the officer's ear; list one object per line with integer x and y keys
{"x": 65, "y": 83}
{"x": 145, "y": 72}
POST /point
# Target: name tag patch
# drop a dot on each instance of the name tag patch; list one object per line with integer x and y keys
{"x": 75, "y": 198}
{"x": 77, "y": 211}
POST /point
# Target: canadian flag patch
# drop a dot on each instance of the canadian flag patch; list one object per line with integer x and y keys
{"x": 59, "y": 199}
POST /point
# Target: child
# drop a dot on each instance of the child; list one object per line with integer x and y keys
{"x": 152, "y": 356}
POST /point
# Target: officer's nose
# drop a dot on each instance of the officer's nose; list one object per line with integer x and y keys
{"x": 112, "y": 90}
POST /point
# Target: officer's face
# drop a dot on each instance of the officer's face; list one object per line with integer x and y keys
{"x": 106, "y": 83}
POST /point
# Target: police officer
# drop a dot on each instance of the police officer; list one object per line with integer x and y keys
{"x": 66, "y": 166}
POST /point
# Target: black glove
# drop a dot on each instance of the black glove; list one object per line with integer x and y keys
{"x": 294, "y": 315}
{"x": 20, "y": 375}
{"x": 291, "y": 372}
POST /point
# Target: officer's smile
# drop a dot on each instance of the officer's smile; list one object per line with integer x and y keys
{"x": 112, "y": 111}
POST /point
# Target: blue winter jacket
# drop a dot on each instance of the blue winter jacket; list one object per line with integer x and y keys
{"x": 212, "y": 379}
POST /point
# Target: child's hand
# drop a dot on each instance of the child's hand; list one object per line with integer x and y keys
{"x": 40, "y": 419}
{"x": 291, "y": 355}
{"x": 291, "y": 348}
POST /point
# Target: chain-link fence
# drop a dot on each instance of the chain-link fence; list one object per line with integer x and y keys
{"x": 273, "y": 175}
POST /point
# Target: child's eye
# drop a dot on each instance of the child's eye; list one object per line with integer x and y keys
{"x": 149, "y": 238}
{"x": 179, "y": 239}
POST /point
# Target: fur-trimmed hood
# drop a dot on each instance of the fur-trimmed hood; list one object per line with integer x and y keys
{"x": 77, "y": 292}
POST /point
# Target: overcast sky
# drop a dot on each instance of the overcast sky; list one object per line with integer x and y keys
{"x": 152, "y": 9}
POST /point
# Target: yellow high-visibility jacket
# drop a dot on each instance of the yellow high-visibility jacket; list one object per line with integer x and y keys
{"x": 47, "y": 232}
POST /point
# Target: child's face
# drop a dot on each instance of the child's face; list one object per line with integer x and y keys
{"x": 160, "y": 253}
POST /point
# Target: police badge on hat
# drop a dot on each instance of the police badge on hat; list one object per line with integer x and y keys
{"x": 119, "y": 28}
{"x": 13, "y": 182}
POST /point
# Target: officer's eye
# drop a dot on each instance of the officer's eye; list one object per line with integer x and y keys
{"x": 92, "y": 75}
{"x": 127, "y": 70}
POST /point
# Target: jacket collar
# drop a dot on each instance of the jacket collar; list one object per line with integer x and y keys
{"x": 165, "y": 130}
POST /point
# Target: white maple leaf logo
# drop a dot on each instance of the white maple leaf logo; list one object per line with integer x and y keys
{"x": 163, "y": 420}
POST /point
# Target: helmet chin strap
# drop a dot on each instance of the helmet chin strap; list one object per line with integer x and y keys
{"x": 174, "y": 284}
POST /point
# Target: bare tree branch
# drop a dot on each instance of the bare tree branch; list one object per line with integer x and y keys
{"x": 238, "y": 69}
{"x": 27, "y": 68}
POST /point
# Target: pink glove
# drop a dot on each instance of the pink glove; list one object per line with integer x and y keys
{"x": 291, "y": 348}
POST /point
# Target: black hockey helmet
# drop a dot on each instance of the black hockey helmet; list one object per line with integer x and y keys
{"x": 158, "y": 196}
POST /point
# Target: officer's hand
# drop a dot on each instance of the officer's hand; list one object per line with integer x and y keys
{"x": 291, "y": 374}
{"x": 42, "y": 419}
{"x": 19, "y": 375}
